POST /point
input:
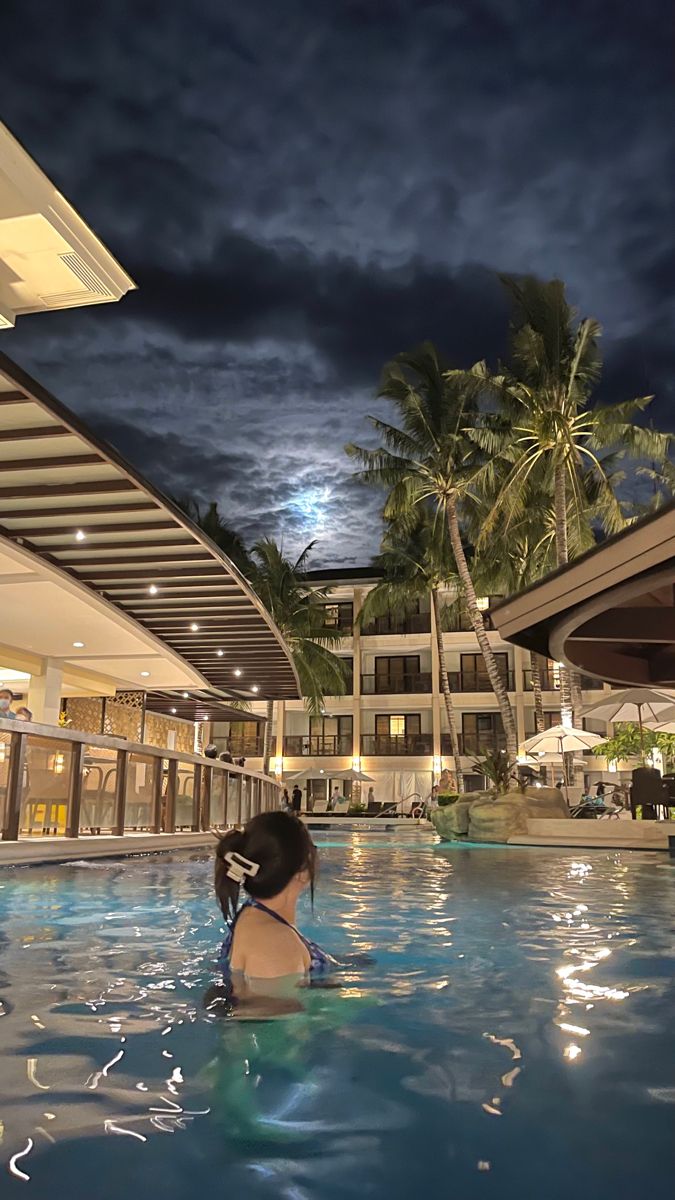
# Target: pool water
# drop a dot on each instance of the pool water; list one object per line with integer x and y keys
{"x": 514, "y": 1037}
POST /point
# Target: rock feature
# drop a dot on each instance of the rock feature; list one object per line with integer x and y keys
{"x": 486, "y": 818}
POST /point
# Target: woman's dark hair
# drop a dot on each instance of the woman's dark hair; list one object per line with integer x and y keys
{"x": 280, "y": 846}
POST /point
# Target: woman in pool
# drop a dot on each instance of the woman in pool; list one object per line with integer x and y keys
{"x": 274, "y": 860}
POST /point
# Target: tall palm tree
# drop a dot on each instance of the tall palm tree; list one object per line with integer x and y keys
{"x": 418, "y": 564}
{"x": 210, "y": 520}
{"x": 546, "y": 428}
{"x": 296, "y": 608}
{"x": 428, "y": 460}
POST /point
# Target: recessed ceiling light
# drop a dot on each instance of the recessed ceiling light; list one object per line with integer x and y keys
{"x": 153, "y": 589}
{"x": 237, "y": 672}
{"x": 255, "y": 688}
{"x": 194, "y": 627}
{"x": 173, "y": 710}
{"x": 186, "y": 695}
{"x": 78, "y": 645}
{"x": 80, "y": 535}
{"x": 220, "y": 653}
{"x": 145, "y": 674}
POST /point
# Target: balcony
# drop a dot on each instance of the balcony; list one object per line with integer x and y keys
{"x": 413, "y": 623}
{"x": 396, "y": 685}
{"x": 550, "y": 682}
{"x": 246, "y": 747}
{"x": 475, "y": 743}
{"x": 408, "y": 743}
{"x": 477, "y": 681}
{"x": 309, "y": 745}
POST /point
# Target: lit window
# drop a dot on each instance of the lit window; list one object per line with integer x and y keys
{"x": 397, "y": 726}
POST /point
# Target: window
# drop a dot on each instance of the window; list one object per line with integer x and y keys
{"x": 473, "y": 667}
{"x": 339, "y": 616}
{"x": 482, "y": 733}
{"x": 398, "y": 666}
{"x": 388, "y": 725}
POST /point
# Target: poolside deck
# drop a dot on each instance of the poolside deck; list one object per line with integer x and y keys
{"x": 587, "y": 835}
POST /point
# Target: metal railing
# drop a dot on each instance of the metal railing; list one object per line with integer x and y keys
{"x": 475, "y": 743}
{"x": 413, "y": 623}
{"x": 245, "y": 747}
{"x": 477, "y": 681}
{"x": 63, "y": 782}
{"x": 405, "y": 743}
{"x": 396, "y": 685}
{"x": 298, "y": 744}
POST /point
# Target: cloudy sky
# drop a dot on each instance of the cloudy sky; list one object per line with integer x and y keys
{"x": 302, "y": 189}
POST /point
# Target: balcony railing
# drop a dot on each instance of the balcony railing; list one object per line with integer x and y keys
{"x": 413, "y": 623}
{"x": 477, "y": 681}
{"x": 406, "y": 743}
{"x": 485, "y": 742}
{"x": 396, "y": 685}
{"x": 298, "y": 745}
{"x": 65, "y": 783}
{"x": 246, "y": 747}
{"x": 550, "y": 682}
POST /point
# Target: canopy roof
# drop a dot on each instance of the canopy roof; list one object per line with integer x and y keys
{"x": 610, "y": 613}
{"x": 73, "y": 502}
{"x": 198, "y": 706}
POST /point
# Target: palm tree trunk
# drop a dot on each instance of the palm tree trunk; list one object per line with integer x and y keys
{"x": 537, "y": 690}
{"x": 496, "y": 679}
{"x": 267, "y": 744}
{"x": 447, "y": 694}
{"x": 567, "y": 706}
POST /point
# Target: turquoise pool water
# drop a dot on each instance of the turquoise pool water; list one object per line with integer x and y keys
{"x": 515, "y": 1036}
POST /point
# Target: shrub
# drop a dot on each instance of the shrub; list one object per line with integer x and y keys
{"x": 445, "y": 798}
{"x": 357, "y": 810}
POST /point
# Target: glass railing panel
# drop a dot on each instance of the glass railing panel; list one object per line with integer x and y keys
{"x": 98, "y": 791}
{"x": 139, "y": 808}
{"x": 45, "y": 787}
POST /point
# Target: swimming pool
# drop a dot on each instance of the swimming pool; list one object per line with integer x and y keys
{"x": 514, "y": 1038}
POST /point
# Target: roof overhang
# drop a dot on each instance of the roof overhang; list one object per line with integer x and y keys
{"x": 49, "y": 257}
{"x": 197, "y": 706}
{"x": 73, "y": 510}
{"x": 610, "y": 613}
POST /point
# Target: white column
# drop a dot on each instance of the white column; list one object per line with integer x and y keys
{"x": 356, "y": 672}
{"x": 281, "y": 721}
{"x": 44, "y": 692}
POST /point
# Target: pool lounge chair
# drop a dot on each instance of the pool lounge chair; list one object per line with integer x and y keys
{"x": 341, "y": 808}
{"x": 319, "y": 808}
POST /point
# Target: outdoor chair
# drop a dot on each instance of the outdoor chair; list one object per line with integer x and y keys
{"x": 341, "y": 807}
{"x": 319, "y": 807}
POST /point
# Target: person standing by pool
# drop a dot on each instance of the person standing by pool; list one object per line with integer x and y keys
{"x": 274, "y": 860}
{"x": 296, "y": 799}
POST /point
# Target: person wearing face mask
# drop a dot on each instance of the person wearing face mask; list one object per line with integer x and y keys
{"x": 6, "y": 697}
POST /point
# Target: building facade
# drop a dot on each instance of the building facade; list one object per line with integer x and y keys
{"x": 391, "y": 723}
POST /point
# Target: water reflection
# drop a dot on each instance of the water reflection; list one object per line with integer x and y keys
{"x": 502, "y": 980}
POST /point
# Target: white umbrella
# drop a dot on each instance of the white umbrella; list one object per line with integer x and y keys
{"x": 666, "y": 722}
{"x": 353, "y": 774}
{"x": 562, "y": 739}
{"x": 647, "y": 706}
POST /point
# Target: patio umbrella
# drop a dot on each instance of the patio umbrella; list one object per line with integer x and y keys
{"x": 666, "y": 722}
{"x": 645, "y": 705}
{"x": 351, "y": 773}
{"x": 561, "y": 740}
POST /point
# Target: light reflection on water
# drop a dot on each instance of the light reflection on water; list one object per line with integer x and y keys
{"x": 515, "y": 1032}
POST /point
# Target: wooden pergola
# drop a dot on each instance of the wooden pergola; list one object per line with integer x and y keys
{"x": 72, "y": 500}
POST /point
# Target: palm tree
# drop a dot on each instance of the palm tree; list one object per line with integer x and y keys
{"x": 418, "y": 564}
{"x": 428, "y": 460}
{"x": 546, "y": 429}
{"x": 296, "y": 608}
{"x": 210, "y": 520}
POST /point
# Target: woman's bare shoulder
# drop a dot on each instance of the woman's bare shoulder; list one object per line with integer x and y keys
{"x": 266, "y": 949}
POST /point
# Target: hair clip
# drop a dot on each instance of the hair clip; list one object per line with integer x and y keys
{"x": 239, "y": 867}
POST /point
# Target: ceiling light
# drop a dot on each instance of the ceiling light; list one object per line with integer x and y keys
{"x": 80, "y": 535}
{"x": 78, "y": 645}
{"x": 194, "y": 627}
{"x": 145, "y": 674}
{"x": 173, "y": 710}
{"x": 153, "y": 589}
{"x": 237, "y": 672}
{"x": 186, "y": 695}
{"x": 220, "y": 653}
{"x": 255, "y": 688}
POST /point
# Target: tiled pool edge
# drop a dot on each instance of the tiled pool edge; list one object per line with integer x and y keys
{"x": 61, "y": 849}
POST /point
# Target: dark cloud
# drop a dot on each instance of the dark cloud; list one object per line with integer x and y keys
{"x": 303, "y": 189}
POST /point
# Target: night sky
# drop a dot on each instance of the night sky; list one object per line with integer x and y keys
{"x": 302, "y": 188}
